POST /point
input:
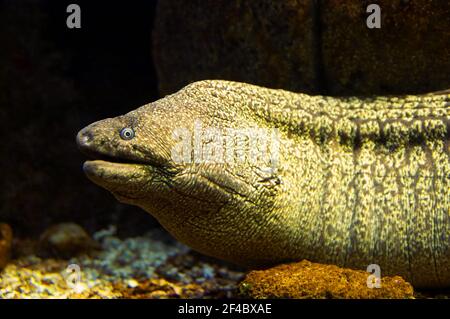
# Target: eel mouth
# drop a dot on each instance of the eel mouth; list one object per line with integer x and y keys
{"x": 117, "y": 170}
{"x": 97, "y": 156}
{"x": 103, "y": 166}
{"x": 86, "y": 144}
{"x": 123, "y": 177}
{"x": 106, "y": 170}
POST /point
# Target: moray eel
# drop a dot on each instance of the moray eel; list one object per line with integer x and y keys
{"x": 258, "y": 176}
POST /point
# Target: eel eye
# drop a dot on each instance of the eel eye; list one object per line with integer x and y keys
{"x": 127, "y": 133}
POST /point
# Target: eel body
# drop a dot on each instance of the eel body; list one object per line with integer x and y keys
{"x": 259, "y": 176}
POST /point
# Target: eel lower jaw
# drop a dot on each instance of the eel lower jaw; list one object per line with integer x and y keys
{"x": 103, "y": 172}
{"x": 99, "y": 166}
{"x": 130, "y": 183}
{"x": 126, "y": 181}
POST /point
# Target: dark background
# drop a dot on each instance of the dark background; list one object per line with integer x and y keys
{"x": 53, "y": 82}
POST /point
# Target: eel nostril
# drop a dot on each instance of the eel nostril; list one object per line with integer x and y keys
{"x": 84, "y": 138}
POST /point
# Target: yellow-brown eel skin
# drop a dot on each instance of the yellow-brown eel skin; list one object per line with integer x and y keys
{"x": 340, "y": 180}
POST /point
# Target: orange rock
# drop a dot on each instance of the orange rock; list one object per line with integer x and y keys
{"x": 310, "y": 280}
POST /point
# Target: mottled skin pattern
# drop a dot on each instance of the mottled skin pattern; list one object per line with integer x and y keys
{"x": 357, "y": 182}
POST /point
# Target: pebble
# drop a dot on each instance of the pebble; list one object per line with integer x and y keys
{"x": 65, "y": 240}
{"x": 132, "y": 283}
{"x": 154, "y": 266}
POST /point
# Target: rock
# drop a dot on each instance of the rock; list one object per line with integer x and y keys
{"x": 408, "y": 54}
{"x": 261, "y": 42}
{"x": 310, "y": 280}
{"x": 308, "y": 46}
{"x": 65, "y": 240}
{"x": 6, "y": 236}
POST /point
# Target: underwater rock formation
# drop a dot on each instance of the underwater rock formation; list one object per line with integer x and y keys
{"x": 305, "y": 46}
{"x": 311, "y": 280}
{"x": 269, "y": 43}
{"x": 408, "y": 54}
